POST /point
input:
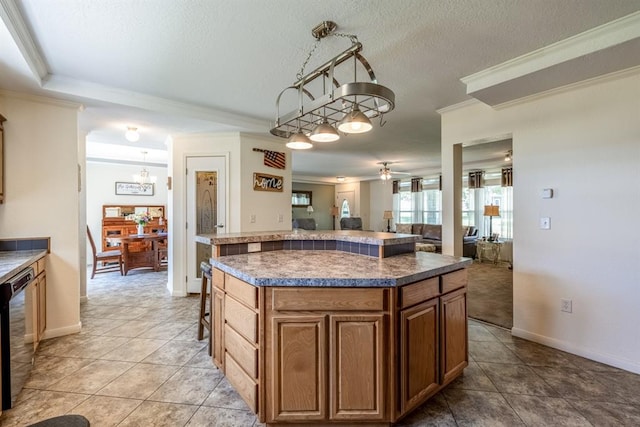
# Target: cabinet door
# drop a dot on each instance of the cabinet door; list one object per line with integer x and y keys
{"x": 217, "y": 327}
{"x": 453, "y": 335}
{"x": 42, "y": 305}
{"x": 357, "y": 367}
{"x": 418, "y": 353}
{"x": 298, "y": 368}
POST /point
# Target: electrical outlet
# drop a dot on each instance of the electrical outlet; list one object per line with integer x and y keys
{"x": 566, "y": 305}
{"x": 545, "y": 223}
{"x": 252, "y": 218}
{"x": 254, "y": 247}
{"x": 280, "y": 217}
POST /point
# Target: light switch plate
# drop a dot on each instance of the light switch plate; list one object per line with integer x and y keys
{"x": 253, "y": 247}
{"x": 545, "y": 223}
{"x": 547, "y": 193}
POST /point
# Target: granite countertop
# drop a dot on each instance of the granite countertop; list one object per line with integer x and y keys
{"x": 12, "y": 262}
{"x": 369, "y": 237}
{"x": 336, "y": 268}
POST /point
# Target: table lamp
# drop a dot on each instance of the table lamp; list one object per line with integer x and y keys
{"x": 491, "y": 211}
{"x": 334, "y": 214}
{"x": 388, "y": 215}
{"x": 309, "y": 210}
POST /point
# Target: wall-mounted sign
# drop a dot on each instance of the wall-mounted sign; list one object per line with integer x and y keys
{"x": 266, "y": 182}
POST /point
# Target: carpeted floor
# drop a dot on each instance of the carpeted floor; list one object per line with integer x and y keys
{"x": 490, "y": 296}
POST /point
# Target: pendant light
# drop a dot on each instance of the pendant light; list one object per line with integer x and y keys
{"x": 299, "y": 141}
{"x": 324, "y": 132}
{"x": 355, "y": 122}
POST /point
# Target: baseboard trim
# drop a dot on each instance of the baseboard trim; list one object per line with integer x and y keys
{"x": 60, "y": 332}
{"x": 608, "y": 359}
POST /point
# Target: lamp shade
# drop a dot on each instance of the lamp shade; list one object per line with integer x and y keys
{"x": 355, "y": 122}
{"x": 335, "y": 211}
{"x": 387, "y": 215}
{"x": 491, "y": 210}
{"x": 299, "y": 141}
{"x": 310, "y": 209}
{"x": 324, "y": 132}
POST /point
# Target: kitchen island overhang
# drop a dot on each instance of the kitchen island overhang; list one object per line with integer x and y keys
{"x": 328, "y": 337}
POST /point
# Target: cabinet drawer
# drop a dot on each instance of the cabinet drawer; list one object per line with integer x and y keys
{"x": 242, "y": 351}
{"x": 418, "y": 292}
{"x": 451, "y": 281}
{"x": 241, "y": 318}
{"x": 242, "y": 291}
{"x": 329, "y": 299}
{"x": 217, "y": 276}
{"x": 244, "y": 385}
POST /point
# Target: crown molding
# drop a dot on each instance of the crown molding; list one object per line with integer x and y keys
{"x": 597, "y": 39}
{"x": 458, "y": 106}
{"x": 41, "y": 99}
{"x": 84, "y": 89}
{"x": 12, "y": 18}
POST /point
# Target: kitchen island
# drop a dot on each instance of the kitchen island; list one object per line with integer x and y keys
{"x": 331, "y": 337}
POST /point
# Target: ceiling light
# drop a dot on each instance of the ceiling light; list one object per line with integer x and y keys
{"x": 299, "y": 141}
{"x": 144, "y": 179}
{"x": 350, "y": 104}
{"x": 324, "y": 132}
{"x": 355, "y": 122}
{"x": 385, "y": 173}
{"x": 340, "y": 178}
{"x": 508, "y": 156}
{"x": 132, "y": 134}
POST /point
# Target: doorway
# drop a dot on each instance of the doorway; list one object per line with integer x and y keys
{"x": 346, "y": 202}
{"x": 205, "y": 213}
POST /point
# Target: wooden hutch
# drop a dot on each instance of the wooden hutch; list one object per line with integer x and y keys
{"x": 115, "y": 223}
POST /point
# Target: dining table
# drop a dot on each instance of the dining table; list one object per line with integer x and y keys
{"x": 139, "y": 259}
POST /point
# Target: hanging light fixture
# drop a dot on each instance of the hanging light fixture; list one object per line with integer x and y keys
{"x": 349, "y": 106}
{"x": 144, "y": 179}
{"x": 385, "y": 172}
{"x": 508, "y": 156}
{"x": 132, "y": 134}
{"x": 355, "y": 122}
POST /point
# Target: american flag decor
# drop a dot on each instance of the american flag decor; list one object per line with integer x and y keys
{"x": 273, "y": 159}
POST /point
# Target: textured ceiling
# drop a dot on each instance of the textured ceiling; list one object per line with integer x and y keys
{"x": 169, "y": 66}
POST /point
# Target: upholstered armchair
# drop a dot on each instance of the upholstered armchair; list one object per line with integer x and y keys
{"x": 351, "y": 223}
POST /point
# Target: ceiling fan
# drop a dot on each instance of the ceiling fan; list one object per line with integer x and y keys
{"x": 385, "y": 172}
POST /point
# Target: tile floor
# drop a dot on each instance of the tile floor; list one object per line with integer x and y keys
{"x": 137, "y": 363}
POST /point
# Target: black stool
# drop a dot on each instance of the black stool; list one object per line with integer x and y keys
{"x": 63, "y": 421}
{"x": 204, "y": 321}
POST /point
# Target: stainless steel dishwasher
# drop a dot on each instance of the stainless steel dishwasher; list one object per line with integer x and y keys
{"x": 17, "y": 355}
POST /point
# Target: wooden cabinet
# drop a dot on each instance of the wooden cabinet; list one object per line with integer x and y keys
{"x": 36, "y": 303}
{"x": 339, "y": 355}
{"x": 2, "y": 120}
{"x": 325, "y": 358}
{"x": 418, "y": 353}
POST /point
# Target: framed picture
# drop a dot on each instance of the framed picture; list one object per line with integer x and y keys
{"x": 300, "y": 199}
{"x": 134, "y": 189}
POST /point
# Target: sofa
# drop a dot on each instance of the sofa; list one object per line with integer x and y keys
{"x": 354, "y": 223}
{"x": 432, "y": 233}
{"x": 304, "y": 223}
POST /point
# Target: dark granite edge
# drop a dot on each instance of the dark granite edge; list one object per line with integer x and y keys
{"x": 307, "y": 235}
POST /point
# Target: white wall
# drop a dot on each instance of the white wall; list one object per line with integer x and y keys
{"x": 242, "y": 200}
{"x": 322, "y": 198}
{"x": 380, "y": 200}
{"x": 585, "y": 144}
{"x": 267, "y": 206}
{"x": 41, "y": 182}
{"x": 100, "y": 181}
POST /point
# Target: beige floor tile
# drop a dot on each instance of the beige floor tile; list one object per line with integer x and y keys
{"x": 225, "y": 396}
{"x": 105, "y": 411}
{"x": 41, "y": 405}
{"x": 175, "y": 352}
{"x": 139, "y": 382}
{"x": 188, "y": 385}
{"x": 222, "y": 417}
{"x": 167, "y": 330}
{"x": 92, "y": 377}
{"x": 134, "y": 350}
{"x": 159, "y": 414}
{"x": 131, "y": 328}
{"x": 48, "y": 370}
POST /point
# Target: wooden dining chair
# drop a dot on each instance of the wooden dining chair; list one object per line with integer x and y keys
{"x": 109, "y": 260}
